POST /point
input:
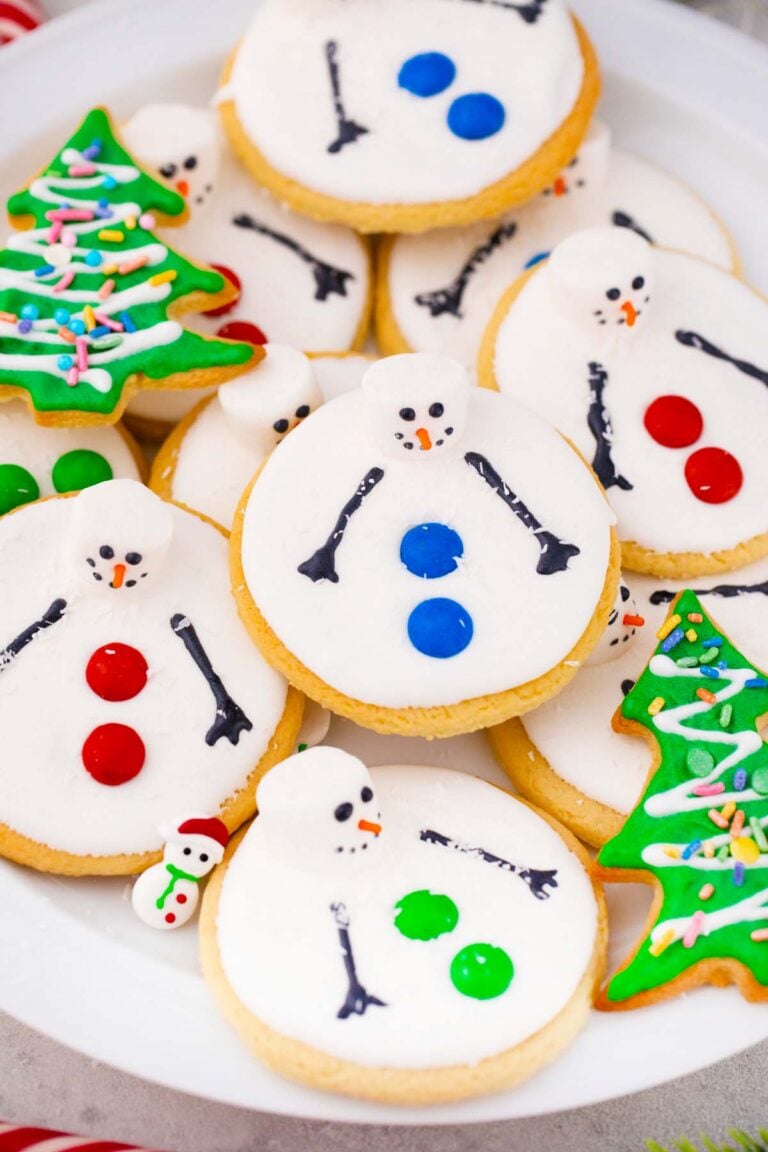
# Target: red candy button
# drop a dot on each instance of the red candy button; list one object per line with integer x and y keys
{"x": 241, "y": 330}
{"x": 234, "y": 280}
{"x": 181, "y": 898}
{"x": 116, "y": 672}
{"x": 113, "y": 754}
{"x": 674, "y": 422}
{"x": 170, "y": 918}
{"x": 713, "y": 475}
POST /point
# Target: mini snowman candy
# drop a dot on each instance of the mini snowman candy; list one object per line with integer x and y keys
{"x": 128, "y": 686}
{"x": 462, "y": 110}
{"x": 209, "y": 459}
{"x": 396, "y": 934}
{"x": 655, "y": 365}
{"x": 422, "y": 557}
{"x": 566, "y": 756}
{"x": 436, "y": 290}
{"x": 298, "y": 282}
{"x": 167, "y": 894}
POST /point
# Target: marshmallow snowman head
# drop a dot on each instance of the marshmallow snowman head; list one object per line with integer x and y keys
{"x": 417, "y": 404}
{"x": 589, "y": 167}
{"x": 195, "y": 844}
{"x": 319, "y": 806}
{"x": 602, "y": 279}
{"x": 120, "y": 535}
{"x": 262, "y": 406}
{"x": 621, "y": 630}
{"x": 181, "y": 143}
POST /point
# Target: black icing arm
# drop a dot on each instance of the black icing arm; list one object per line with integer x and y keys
{"x": 357, "y": 999}
{"x": 51, "y": 616}
{"x": 624, "y": 220}
{"x": 538, "y": 880}
{"x": 726, "y": 591}
{"x": 529, "y": 12}
{"x": 700, "y": 344}
{"x": 599, "y": 422}
{"x": 348, "y": 130}
{"x": 329, "y": 281}
{"x": 321, "y": 565}
{"x": 448, "y": 300}
{"x": 230, "y": 719}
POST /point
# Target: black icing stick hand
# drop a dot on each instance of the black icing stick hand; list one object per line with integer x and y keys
{"x": 230, "y": 720}
{"x": 321, "y": 565}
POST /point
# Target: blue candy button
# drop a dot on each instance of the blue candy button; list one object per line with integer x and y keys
{"x": 427, "y": 74}
{"x": 431, "y": 550}
{"x": 476, "y": 116}
{"x": 440, "y": 628}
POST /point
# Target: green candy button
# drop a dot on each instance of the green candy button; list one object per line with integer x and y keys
{"x": 699, "y": 761}
{"x": 80, "y": 469}
{"x": 482, "y": 971}
{"x": 425, "y": 915}
{"x": 759, "y": 780}
{"x": 17, "y": 486}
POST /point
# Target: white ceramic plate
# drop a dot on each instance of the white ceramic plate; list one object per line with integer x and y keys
{"x": 74, "y": 962}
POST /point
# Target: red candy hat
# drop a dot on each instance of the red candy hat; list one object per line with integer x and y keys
{"x": 208, "y": 826}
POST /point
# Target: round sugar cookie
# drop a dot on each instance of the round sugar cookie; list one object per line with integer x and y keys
{"x": 565, "y": 756}
{"x": 209, "y": 459}
{"x": 37, "y": 461}
{"x": 424, "y": 557}
{"x": 129, "y": 690}
{"x": 655, "y": 365}
{"x": 398, "y": 934}
{"x": 297, "y": 282}
{"x": 411, "y": 115}
{"x": 437, "y": 291}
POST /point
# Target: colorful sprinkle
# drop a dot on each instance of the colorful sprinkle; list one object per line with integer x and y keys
{"x": 737, "y": 824}
{"x": 54, "y": 231}
{"x": 716, "y": 818}
{"x": 691, "y": 849}
{"x": 108, "y": 322}
{"x": 130, "y": 223}
{"x": 109, "y": 182}
{"x": 694, "y": 929}
{"x": 98, "y": 330}
{"x": 147, "y": 221}
{"x": 691, "y": 635}
{"x": 106, "y": 289}
{"x": 65, "y": 281}
{"x": 707, "y": 696}
{"x": 25, "y": 326}
{"x": 668, "y": 626}
{"x": 709, "y": 789}
{"x": 710, "y": 656}
{"x": 706, "y": 891}
{"x": 29, "y": 312}
{"x": 709, "y": 849}
{"x": 699, "y": 761}
{"x": 72, "y": 377}
{"x": 82, "y": 354}
{"x": 760, "y": 935}
{"x": 44, "y": 270}
{"x": 738, "y": 873}
{"x": 656, "y": 706}
{"x": 93, "y": 258}
{"x": 105, "y": 342}
{"x": 728, "y": 810}
{"x": 724, "y": 853}
{"x": 92, "y": 151}
{"x": 759, "y": 835}
{"x": 109, "y": 269}
{"x": 81, "y": 170}
{"x": 129, "y": 266}
{"x": 687, "y": 662}
{"x": 675, "y": 637}
{"x": 77, "y": 326}
{"x": 64, "y": 363}
{"x": 713, "y": 642}
{"x": 662, "y": 943}
{"x": 672, "y": 852}
{"x": 67, "y": 334}
{"x": 710, "y": 673}
{"x": 744, "y": 849}
{"x": 740, "y": 779}
{"x": 726, "y": 713}
{"x": 756, "y": 682}
{"x": 695, "y": 617}
{"x": 8, "y": 317}
{"x": 166, "y": 277}
{"x": 69, "y": 214}
{"x": 127, "y": 322}
{"x": 89, "y": 318}
{"x": 111, "y": 235}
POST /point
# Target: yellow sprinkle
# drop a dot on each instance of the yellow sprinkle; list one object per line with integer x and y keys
{"x": 709, "y": 849}
{"x": 706, "y": 891}
{"x": 692, "y": 635}
{"x": 745, "y": 850}
{"x": 112, "y": 235}
{"x": 668, "y": 626}
{"x": 656, "y": 706}
{"x": 130, "y": 223}
{"x": 673, "y": 853}
{"x": 109, "y": 269}
{"x": 662, "y": 943}
{"x": 163, "y": 277}
{"x": 88, "y": 316}
{"x": 728, "y": 810}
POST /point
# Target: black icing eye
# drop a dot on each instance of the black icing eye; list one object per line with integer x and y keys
{"x": 624, "y": 591}
{"x": 436, "y": 410}
{"x": 133, "y": 557}
{"x": 638, "y": 283}
{"x": 613, "y": 293}
{"x": 408, "y": 444}
{"x": 343, "y": 812}
{"x": 106, "y": 552}
{"x": 398, "y": 435}
{"x": 190, "y": 163}
{"x": 574, "y": 162}
{"x": 169, "y": 171}
{"x": 366, "y": 795}
{"x": 280, "y": 426}
{"x": 204, "y": 857}
{"x": 449, "y": 431}
{"x": 407, "y": 414}
{"x": 91, "y": 562}
{"x": 130, "y": 583}
{"x": 303, "y": 411}
{"x": 187, "y": 851}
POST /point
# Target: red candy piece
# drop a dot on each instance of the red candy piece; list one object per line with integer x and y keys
{"x": 234, "y": 280}
{"x": 169, "y": 918}
{"x": 241, "y": 330}
{"x": 674, "y": 422}
{"x": 713, "y": 475}
{"x": 113, "y": 754}
{"x": 116, "y": 672}
{"x": 181, "y": 898}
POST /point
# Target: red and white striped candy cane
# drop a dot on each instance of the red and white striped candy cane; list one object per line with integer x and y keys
{"x": 16, "y": 1138}
{"x": 17, "y": 16}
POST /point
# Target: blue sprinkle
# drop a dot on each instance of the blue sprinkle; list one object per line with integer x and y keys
{"x": 61, "y": 316}
{"x": 476, "y": 116}
{"x": 740, "y": 779}
{"x": 672, "y": 640}
{"x": 103, "y": 203}
{"x": 93, "y": 258}
{"x": 93, "y": 150}
{"x": 722, "y": 665}
{"x": 109, "y": 182}
{"x": 25, "y": 326}
{"x": 738, "y": 873}
{"x": 715, "y": 642}
{"x": 427, "y": 74}
{"x": 103, "y": 213}
{"x": 44, "y": 270}
{"x": 127, "y": 322}
{"x": 65, "y": 363}
{"x": 712, "y": 673}
{"x": 440, "y": 628}
{"x": 431, "y": 550}
{"x": 756, "y": 682}
{"x": 29, "y": 312}
{"x": 537, "y": 259}
{"x": 99, "y": 330}
{"x": 691, "y": 849}
{"x": 77, "y": 326}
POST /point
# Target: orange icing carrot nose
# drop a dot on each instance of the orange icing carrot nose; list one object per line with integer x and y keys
{"x": 423, "y": 437}
{"x": 183, "y": 187}
{"x": 630, "y": 312}
{"x": 630, "y": 621}
{"x": 118, "y": 575}
{"x": 560, "y": 186}
{"x": 369, "y": 826}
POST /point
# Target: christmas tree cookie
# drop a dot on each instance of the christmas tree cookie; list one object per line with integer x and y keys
{"x": 699, "y": 831}
{"x": 89, "y": 295}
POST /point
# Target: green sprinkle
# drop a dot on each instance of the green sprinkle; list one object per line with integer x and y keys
{"x": 687, "y": 662}
{"x": 302, "y": 747}
{"x": 724, "y": 852}
{"x": 759, "y": 835}
{"x": 759, "y": 780}
{"x": 726, "y": 712}
{"x": 699, "y": 761}
{"x": 709, "y": 656}
{"x": 105, "y": 342}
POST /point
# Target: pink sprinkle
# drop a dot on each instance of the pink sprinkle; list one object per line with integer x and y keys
{"x": 132, "y": 265}
{"x": 716, "y": 818}
{"x": 81, "y": 169}
{"x": 759, "y": 935}
{"x": 108, "y": 322}
{"x": 70, "y": 214}
{"x": 69, "y": 238}
{"x": 147, "y": 220}
{"x": 72, "y": 377}
{"x": 105, "y": 290}
{"x": 693, "y": 930}
{"x": 709, "y": 789}
{"x": 54, "y": 232}
{"x": 65, "y": 281}
{"x": 82, "y": 354}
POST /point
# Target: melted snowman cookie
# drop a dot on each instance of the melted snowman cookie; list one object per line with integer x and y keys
{"x": 655, "y": 365}
{"x": 395, "y": 934}
{"x": 298, "y": 282}
{"x": 409, "y": 115}
{"x": 209, "y": 459}
{"x": 592, "y": 783}
{"x": 128, "y": 687}
{"x": 421, "y": 556}
{"x": 436, "y": 291}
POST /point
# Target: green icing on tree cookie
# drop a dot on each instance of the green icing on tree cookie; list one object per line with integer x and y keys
{"x": 86, "y": 287}
{"x": 17, "y": 486}
{"x": 714, "y": 887}
{"x": 425, "y": 915}
{"x": 80, "y": 468}
{"x": 482, "y": 971}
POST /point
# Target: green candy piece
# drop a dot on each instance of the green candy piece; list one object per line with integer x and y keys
{"x": 482, "y": 971}
{"x": 80, "y": 469}
{"x": 17, "y": 486}
{"x": 759, "y": 780}
{"x": 425, "y": 915}
{"x": 699, "y": 761}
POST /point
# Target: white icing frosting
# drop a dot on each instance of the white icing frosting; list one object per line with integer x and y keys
{"x": 563, "y": 321}
{"x": 25, "y": 443}
{"x": 166, "y": 895}
{"x": 280, "y": 86}
{"x": 353, "y": 634}
{"x": 308, "y": 286}
{"x": 233, "y": 435}
{"x": 610, "y": 767}
{"x": 279, "y": 939}
{"x": 48, "y": 709}
{"x": 753, "y": 908}
{"x": 443, "y": 285}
